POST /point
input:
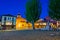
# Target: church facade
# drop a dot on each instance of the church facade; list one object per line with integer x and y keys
{"x": 22, "y": 24}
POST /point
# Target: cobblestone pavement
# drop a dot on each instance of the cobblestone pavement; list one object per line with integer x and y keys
{"x": 30, "y": 35}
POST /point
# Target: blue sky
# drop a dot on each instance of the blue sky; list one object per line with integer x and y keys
{"x": 18, "y": 6}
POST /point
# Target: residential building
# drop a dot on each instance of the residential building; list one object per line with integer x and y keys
{"x": 40, "y": 24}
{"x": 58, "y": 25}
{"x": 53, "y": 24}
{"x": 8, "y": 22}
{"x": 0, "y": 22}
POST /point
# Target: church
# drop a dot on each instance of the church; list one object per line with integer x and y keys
{"x": 22, "y": 24}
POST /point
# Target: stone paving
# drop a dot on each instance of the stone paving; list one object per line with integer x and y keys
{"x": 30, "y": 35}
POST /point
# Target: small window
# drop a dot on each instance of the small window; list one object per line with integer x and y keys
{"x": 5, "y": 18}
{"x": 37, "y": 26}
{"x": 8, "y": 18}
{"x": 22, "y": 24}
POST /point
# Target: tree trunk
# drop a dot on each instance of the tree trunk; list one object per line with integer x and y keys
{"x": 33, "y": 24}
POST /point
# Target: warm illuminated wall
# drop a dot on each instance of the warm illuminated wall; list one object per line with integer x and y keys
{"x": 40, "y": 25}
{"x": 8, "y": 23}
{"x": 29, "y": 25}
{"x": 53, "y": 25}
{"x": 58, "y": 24}
{"x": 21, "y": 24}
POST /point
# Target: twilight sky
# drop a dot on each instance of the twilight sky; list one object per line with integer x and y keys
{"x": 18, "y": 6}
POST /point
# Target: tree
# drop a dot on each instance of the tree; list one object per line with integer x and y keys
{"x": 54, "y": 9}
{"x": 33, "y": 10}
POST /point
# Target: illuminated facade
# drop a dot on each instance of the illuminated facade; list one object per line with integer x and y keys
{"x": 53, "y": 24}
{"x": 40, "y": 24}
{"x": 22, "y": 24}
{"x": 8, "y": 21}
{"x": 58, "y": 24}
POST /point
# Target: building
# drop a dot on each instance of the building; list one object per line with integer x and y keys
{"x": 0, "y": 22}
{"x": 22, "y": 24}
{"x": 40, "y": 24}
{"x": 58, "y": 25}
{"x": 53, "y": 24}
{"x": 8, "y": 22}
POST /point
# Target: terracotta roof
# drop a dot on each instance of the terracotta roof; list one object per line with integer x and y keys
{"x": 40, "y": 20}
{"x": 22, "y": 19}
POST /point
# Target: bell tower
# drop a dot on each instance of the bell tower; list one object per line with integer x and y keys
{"x": 18, "y": 15}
